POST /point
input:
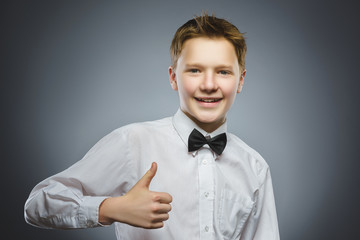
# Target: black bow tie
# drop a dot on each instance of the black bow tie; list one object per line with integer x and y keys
{"x": 197, "y": 140}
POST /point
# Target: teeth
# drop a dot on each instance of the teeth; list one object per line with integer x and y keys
{"x": 208, "y": 100}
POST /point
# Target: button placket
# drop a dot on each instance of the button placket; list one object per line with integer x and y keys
{"x": 206, "y": 192}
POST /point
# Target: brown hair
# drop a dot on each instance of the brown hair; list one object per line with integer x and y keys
{"x": 212, "y": 27}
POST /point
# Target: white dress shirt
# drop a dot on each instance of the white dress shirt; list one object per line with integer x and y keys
{"x": 229, "y": 196}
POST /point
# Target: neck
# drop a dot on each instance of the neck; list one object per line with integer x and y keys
{"x": 208, "y": 127}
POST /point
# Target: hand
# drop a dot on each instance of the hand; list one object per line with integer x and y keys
{"x": 140, "y": 207}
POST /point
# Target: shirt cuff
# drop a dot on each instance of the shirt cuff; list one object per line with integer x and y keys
{"x": 89, "y": 212}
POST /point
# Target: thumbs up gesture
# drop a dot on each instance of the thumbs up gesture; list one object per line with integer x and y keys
{"x": 140, "y": 207}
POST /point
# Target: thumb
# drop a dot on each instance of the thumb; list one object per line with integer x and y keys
{"x": 149, "y": 175}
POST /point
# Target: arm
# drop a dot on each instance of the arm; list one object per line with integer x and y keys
{"x": 80, "y": 196}
{"x": 71, "y": 199}
{"x": 58, "y": 205}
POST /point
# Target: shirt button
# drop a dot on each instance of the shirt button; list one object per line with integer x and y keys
{"x": 204, "y": 162}
{"x": 206, "y": 229}
{"x": 206, "y": 194}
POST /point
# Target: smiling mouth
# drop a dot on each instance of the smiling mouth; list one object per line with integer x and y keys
{"x": 208, "y": 100}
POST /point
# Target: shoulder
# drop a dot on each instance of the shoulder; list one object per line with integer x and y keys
{"x": 249, "y": 155}
{"x": 128, "y": 134}
{"x": 143, "y": 128}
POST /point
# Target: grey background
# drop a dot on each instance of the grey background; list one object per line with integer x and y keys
{"x": 72, "y": 71}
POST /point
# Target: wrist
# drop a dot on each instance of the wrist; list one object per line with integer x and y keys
{"x": 112, "y": 210}
{"x": 104, "y": 210}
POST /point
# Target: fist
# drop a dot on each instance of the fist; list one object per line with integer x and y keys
{"x": 140, "y": 207}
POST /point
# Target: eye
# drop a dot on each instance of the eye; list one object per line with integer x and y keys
{"x": 194, "y": 70}
{"x": 223, "y": 72}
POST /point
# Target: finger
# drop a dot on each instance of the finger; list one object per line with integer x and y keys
{"x": 163, "y": 197}
{"x": 163, "y": 208}
{"x": 155, "y": 225}
{"x": 148, "y": 176}
{"x": 161, "y": 217}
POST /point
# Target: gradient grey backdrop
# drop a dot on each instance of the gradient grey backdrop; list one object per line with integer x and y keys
{"x": 72, "y": 71}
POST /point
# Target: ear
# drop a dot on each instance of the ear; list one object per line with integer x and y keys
{"x": 172, "y": 78}
{"x": 241, "y": 81}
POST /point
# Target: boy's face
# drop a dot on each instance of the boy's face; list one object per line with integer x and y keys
{"x": 207, "y": 77}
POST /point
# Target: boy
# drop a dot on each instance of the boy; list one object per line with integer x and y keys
{"x": 209, "y": 185}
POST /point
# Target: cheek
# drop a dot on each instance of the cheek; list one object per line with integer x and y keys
{"x": 229, "y": 90}
{"x": 188, "y": 87}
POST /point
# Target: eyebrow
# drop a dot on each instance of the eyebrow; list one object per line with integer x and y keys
{"x": 198, "y": 65}
{"x": 193, "y": 65}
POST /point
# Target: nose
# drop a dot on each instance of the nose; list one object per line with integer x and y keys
{"x": 209, "y": 83}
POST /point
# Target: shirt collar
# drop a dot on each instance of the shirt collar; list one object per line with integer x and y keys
{"x": 184, "y": 126}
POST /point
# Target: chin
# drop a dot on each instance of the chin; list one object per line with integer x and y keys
{"x": 209, "y": 118}
{"x": 205, "y": 117}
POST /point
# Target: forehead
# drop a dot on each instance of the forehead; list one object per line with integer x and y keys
{"x": 204, "y": 50}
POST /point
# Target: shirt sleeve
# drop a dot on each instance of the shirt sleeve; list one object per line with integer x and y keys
{"x": 263, "y": 224}
{"x": 71, "y": 199}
